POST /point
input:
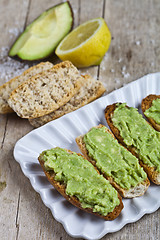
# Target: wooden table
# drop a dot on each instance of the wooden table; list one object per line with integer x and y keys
{"x": 134, "y": 52}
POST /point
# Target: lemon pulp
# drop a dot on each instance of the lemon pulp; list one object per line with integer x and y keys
{"x": 79, "y": 36}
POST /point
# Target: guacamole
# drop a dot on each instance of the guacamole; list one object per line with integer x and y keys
{"x": 113, "y": 159}
{"x": 154, "y": 111}
{"x": 81, "y": 180}
{"x": 136, "y": 132}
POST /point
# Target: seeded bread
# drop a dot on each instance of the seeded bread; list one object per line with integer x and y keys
{"x": 8, "y": 87}
{"x": 147, "y": 103}
{"x": 46, "y": 91}
{"x": 153, "y": 175}
{"x": 74, "y": 200}
{"x": 91, "y": 90}
{"x": 136, "y": 191}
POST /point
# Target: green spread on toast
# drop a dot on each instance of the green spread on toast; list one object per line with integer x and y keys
{"x": 81, "y": 180}
{"x": 154, "y": 111}
{"x": 113, "y": 159}
{"x": 136, "y": 132}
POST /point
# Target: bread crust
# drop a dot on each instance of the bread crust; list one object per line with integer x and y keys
{"x": 139, "y": 190}
{"x": 147, "y": 103}
{"x": 153, "y": 175}
{"x": 61, "y": 189}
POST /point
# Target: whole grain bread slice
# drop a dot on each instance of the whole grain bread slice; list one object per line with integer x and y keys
{"x": 146, "y": 104}
{"x": 136, "y": 191}
{"x": 46, "y": 91}
{"x": 90, "y": 91}
{"x": 61, "y": 188}
{"x": 153, "y": 175}
{"x": 8, "y": 87}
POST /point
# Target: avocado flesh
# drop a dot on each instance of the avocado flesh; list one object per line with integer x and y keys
{"x": 42, "y": 36}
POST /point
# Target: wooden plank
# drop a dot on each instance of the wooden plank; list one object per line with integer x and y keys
{"x": 12, "y": 176}
{"x": 12, "y": 18}
{"x": 31, "y": 206}
{"x": 75, "y": 4}
{"x": 3, "y": 125}
{"x": 134, "y": 49}
{"x": 89, "y": 10}
{"x": 10, "y": 27}
{"x": 12, "y": 21}
{"x": 132, "y": 54}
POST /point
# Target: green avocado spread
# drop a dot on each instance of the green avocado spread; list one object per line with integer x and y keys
{"x": 154, "y": 111}
{"x": 113, "y": 159}
{"x": 81, "y": 180}
{"x": 136, "y": 132}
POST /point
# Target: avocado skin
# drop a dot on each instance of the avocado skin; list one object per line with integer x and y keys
{"x": 16, "y": 57}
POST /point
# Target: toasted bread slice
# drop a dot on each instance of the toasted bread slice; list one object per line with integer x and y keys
{"x": 135, "y": 191}
{"x": 8, "y": 87}
{"x": 46, "y": 91}
{"x": 146, "y": 104}
{"x": 61, "y": 187}
{"x": 90, "y": 91}
{"x": 152, "y": 173}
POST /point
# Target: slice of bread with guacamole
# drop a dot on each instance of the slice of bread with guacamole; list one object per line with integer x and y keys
{"x": 134, "y": 132}
{"x": 114, "y": 161}
{"x": 151, "y": 108}
{"x": 80, "y": 183}
{"x": 91, "y": 90}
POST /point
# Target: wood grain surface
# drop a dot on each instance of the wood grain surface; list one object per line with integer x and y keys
{"x": 134, "y": 52}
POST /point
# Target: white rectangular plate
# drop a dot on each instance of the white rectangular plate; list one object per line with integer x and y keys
{"x": 62, "y": 132}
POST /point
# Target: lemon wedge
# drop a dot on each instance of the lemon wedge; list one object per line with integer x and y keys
{"x": 87, "y": 44}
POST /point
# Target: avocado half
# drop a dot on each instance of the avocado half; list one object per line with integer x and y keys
{"x": 41, "y": 37}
